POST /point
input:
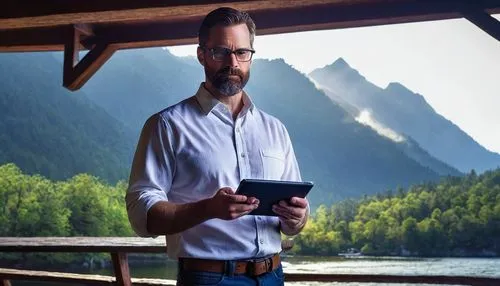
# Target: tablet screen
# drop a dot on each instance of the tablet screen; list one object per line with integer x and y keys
{"x": 271, "y": 192}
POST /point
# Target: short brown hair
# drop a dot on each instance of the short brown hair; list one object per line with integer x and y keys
{"x": 225, "y": 16}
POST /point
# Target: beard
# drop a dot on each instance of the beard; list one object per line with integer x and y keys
{"x": 228, "y": 81}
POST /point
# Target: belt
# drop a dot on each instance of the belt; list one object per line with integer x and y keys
{"x": 250, "y": 268}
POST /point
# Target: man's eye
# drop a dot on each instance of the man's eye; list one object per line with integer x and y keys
{"x": 221, "y": 51}
{"x": 241, "y": 52}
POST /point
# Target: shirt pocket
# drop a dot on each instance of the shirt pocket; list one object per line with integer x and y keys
{"x": 273, "y": 164}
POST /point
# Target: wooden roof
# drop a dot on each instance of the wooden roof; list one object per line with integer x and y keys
{"x": 110, "y": 25}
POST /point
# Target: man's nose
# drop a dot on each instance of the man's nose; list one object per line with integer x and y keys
{"x": 232, "y": 60}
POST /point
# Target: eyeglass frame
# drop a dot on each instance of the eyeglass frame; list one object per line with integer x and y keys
{"x": 228, "y": 53}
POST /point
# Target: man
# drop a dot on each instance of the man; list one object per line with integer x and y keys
{"x": 191, "y": 157}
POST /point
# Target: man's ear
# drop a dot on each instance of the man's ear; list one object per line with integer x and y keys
{"x": 201, "y": 56}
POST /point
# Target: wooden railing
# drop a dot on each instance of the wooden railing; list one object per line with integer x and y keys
{"x": 118, "y": 248}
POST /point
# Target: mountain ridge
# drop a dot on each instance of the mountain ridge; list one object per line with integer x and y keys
{"x": 406, "y": 112}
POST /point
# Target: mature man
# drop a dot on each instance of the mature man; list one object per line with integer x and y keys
{"x": 191, "y": 157}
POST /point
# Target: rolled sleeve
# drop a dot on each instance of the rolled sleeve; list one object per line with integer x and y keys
{"x": 152, "y": 172}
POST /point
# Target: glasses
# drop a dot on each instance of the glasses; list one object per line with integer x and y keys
{"x": 220, "y": 54}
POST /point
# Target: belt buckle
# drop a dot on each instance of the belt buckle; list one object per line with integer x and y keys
{"x": 250, "y": 268}
{"x": 253, "y": 271}
{"x": 269, "y": 264}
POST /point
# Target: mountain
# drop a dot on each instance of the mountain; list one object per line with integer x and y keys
{"x": 407, "y": 113}
{"x": 405, "y": 143}
{"x": 48, "y": 130}
{"x": 343, "y": 157}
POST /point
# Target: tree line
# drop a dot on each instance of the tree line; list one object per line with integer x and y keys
{"x": 460, "y": 216}
{"x": 84, "y": 205}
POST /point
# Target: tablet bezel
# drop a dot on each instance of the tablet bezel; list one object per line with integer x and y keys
{"x": 270, "y": 192}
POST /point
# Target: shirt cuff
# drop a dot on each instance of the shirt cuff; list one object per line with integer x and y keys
{"x": 138, "y": 205}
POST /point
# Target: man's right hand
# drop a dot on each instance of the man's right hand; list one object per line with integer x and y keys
{"x": 228, "y": 206}
{"x": 165, "y": 217}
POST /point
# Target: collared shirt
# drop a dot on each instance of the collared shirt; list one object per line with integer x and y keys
{"x": 189, "y": 151}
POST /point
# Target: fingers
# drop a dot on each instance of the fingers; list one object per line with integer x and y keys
{"x": 252, "y": 200}
{"x": 226, "y": 191}
{"x": 291, "y": 211}
{"x": 298, "y": 202}
{"x": 241, "y": 208}
{"x": 288, "y": 212}
{"x": 242, "y": 199}
{"x": 229, "y": 194}
{"x": 238, "y": 210}
{"x": 228, "y": 205}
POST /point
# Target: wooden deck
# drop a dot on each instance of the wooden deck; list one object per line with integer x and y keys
{"x": 118, "y": 247}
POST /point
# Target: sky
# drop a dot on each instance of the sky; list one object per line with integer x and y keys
{"x": 452, "y": 63}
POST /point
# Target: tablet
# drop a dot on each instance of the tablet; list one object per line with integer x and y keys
{"x": 270, "y": 192}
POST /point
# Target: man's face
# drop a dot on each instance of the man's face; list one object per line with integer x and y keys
{"x": 227, "y": 75}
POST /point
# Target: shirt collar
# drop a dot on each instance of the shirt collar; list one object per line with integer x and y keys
{"x": 208, "y": 102}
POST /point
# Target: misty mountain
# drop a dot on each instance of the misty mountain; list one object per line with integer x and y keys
{"x": 48, "y": 130}
{"x": 407, "y": 113}
{"x": 343, "y": 157}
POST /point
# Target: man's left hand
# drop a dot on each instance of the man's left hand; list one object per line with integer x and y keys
{"x": 292, "y": 214}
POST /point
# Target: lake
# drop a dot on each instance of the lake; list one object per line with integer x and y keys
{"x": 487, "y": 267}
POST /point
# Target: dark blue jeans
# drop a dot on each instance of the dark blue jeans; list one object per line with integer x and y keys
{"x": 189, "y": 278}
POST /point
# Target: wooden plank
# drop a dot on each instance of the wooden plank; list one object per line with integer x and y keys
{"x": 167, "y": 31}
{"x": 152, "y": 282}
{"x": 83, "y": 244}
{"x": 94, "y": 12}
{"x": 33, "y": 8}
{"x": 31, "y": 275}
{"x": 16, "y": 274}
{"x": 53, "y": 12}
{"x": 483, "y": 20}
{"x": 63, "y": 277}
{"x": 121, "y": 269}
{"x": 454, "y": 280}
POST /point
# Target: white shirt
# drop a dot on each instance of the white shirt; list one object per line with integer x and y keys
{"x": 188, "y": 152}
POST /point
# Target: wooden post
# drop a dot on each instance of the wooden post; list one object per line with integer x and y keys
{"x": 120, "y": 266}
{"x": 77, "y": 72}
{"x": 480, "y": 18}
{"x": 5, "y": 283}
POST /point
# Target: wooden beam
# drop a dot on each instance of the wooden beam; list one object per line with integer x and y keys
{"x": 483, "y": 20}
{"x": 31, "y": 14}
{"x": 169, "y": 31}
{"x": 77, "y": 73}
{"x": 54, "y": 12}
{"x": 291, "y": 19}
{"x": 35, "y": 8}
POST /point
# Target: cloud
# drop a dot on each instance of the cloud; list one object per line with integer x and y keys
{"x": 366, "y": 118}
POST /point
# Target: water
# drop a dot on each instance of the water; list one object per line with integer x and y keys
{"x": 483, "y": 267}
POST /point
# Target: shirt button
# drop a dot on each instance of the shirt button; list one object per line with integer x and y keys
{"x": 243, "y": 155}
{"x": 261, "y": 241}
{"x": 259, "y": 218}
{"x": 237, "y": 130}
